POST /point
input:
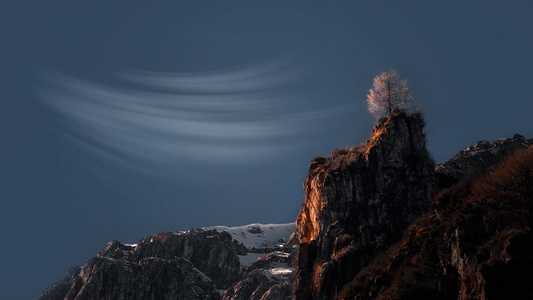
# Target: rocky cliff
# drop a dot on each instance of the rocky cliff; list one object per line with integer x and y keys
{"x": 371, "y": 227}
{"x": 475, "y": 243}
{"x": 358, "y": 202}
{"x": 379, "y": 221}
{"x": 196, "y": 264}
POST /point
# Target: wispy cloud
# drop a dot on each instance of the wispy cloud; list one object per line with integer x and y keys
{"x": 154, "y": 121}
{"x": 248, "y": 79}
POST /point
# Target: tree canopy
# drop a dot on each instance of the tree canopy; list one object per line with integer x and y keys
{"x": 389, "y": 92}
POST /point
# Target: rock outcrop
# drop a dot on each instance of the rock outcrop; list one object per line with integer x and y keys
{"x": 196, "y": 264}
{"x": 478, "y": 159}
{"x": 358, "y": 202}
{"x": 378, "y": 221}
{"x": 271, "y": 277}
{"x": 476, "y": 243}
{"x": 168, "y": 265}
{"x": 213, "y": 253}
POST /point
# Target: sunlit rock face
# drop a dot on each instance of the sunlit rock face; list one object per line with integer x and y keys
{"x": 359, "y": 201}
{"x": 376, "y": 200}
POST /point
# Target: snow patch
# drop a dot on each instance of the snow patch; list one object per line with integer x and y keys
{"x": 281, "y": 254}
{"x": 278, "y": 271}
{"x": 281, "y": 271}
{"x": 271, "y": 236}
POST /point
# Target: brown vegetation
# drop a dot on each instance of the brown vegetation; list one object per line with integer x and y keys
{"x": 476, "y": 244}
{"x": 509, "y": 188}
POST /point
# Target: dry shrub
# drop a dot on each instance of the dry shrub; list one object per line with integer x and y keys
{"x": 509, "y": 188}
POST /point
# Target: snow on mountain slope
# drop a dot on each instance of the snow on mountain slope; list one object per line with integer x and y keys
{"x": 260, "y": 236}
{"x": 249, "y": 259}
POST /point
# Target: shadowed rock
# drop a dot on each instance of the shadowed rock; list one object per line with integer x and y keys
{"x": 168, "y": 265}
{"x": 359, "y": 201}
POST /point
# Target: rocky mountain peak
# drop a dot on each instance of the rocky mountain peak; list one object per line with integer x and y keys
{"x": 200, "y": 263}
{"x": 358, "y": 201}
{"x": 378, "y": 221}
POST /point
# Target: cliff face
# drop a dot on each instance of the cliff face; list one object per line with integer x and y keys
{"x": 378, "y": 221}
{"x": 248, "y": 262}
{"x": 475, "y": 243}
{"x": 211, "y": 252}
{"x": 358, "y": 202}
{"x": 472, "y": 241}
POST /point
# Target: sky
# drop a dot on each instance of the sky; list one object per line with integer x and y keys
{"x": 124, "y": 119}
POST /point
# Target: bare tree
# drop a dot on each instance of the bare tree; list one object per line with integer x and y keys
{"x": 389, "y": 92}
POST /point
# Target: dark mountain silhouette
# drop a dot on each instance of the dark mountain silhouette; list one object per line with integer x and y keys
{"x": 379, "y": 221}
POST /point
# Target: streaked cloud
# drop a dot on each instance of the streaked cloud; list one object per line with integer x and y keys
{"x": 151, "y": 121}
{"x": 248, "y": 79}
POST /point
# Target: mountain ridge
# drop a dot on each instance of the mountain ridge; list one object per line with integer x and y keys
{"x": 375, "y": 220}
{"x": 193, "y": 264}
{"x": 358, "y": 202}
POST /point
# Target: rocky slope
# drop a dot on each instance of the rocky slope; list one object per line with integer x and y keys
{"x": 475, "y": 243}
{"x": 270, "y": 277}
{"x": 358, "y": 202}
{"x": 471, "y": 243}
{"x": 196, "y": 264}
{"x": 379, "y": 221}
{"x": 478, "y": 159}
{"x": 268, "y": 268}
{"x": 465, "y": 244}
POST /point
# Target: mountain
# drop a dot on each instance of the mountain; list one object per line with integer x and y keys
{"x": 474, "y": 243}
{"x": 379, "y": 221}
{"x": 195, "y": 264}
{"x": 358, "y": 202}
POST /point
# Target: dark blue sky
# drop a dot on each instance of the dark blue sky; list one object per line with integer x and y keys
{"x": 123, "y": 120}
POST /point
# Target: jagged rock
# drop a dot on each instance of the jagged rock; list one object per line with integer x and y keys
{"x": 150, "y": 278}
{"x": 358, "y": 202}
{"x": 478, "y": 159}
{"x": 280, "y": 291}
{"x": 273, "y": 259}
{"x": 262, "y": 284}
{"x": 253, "y": 286}
{"x": 473, "y": 245}
{"x": 255, "y": 229}
{"x": 491, "y": 253}
{"x": 213, "y": 253}
{"x": 168, "y": 265}
{"x": 59, "y": 290}
{"x": 197, "y": 264}
{"x": 271, "y": 277}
